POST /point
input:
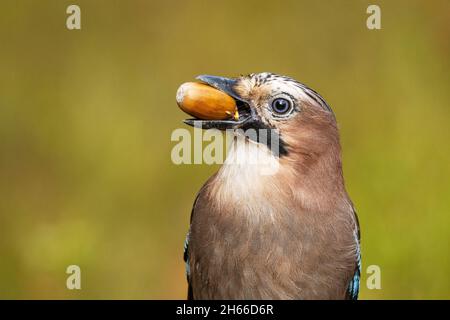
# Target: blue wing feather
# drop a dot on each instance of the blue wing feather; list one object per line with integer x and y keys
{"x": 353, "y": 287}
{"x": 186, "y": 255}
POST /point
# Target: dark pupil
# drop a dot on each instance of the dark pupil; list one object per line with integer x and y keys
{"x": 281, "y": 105}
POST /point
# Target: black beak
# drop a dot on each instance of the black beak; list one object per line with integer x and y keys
{"x": 227, "y": 85}
{"x": 248, "y": 118}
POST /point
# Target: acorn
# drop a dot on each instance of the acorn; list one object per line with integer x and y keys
{"x": 205, "y": 102}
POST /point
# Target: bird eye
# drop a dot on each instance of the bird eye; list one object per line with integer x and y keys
{"x": 281, "y": 106}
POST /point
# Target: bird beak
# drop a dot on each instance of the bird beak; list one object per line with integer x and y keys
{"x": 226, "y": 85}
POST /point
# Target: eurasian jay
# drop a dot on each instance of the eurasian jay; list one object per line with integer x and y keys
{"x": 292, "y": 234}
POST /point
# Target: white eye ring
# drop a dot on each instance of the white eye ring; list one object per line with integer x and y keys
{"x": 281, "y": 107}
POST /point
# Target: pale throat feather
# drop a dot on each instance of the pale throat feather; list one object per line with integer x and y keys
{"x": 246, "y": 178}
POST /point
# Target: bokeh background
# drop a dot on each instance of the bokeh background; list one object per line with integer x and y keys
{"x": 86, "y": 118}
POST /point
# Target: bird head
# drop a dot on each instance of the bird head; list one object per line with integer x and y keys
{"x": 299, "y": 117}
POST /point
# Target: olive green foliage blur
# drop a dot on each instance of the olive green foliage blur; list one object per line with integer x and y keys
{"x": 86, "y": 118}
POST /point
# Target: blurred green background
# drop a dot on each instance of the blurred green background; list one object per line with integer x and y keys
{"x": 86, "y": 118}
